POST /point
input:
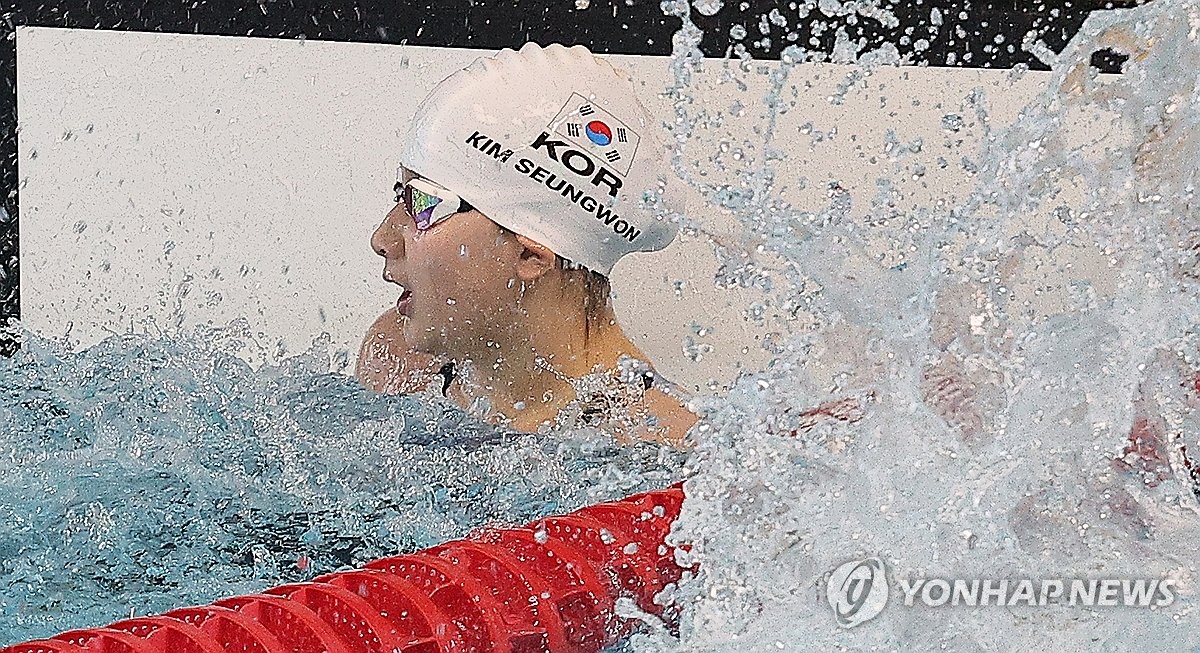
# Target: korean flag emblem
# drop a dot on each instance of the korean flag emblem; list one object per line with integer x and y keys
{"x": 598, "y": 132}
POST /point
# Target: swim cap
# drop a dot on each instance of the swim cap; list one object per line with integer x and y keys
{"x": 551, "y": 143}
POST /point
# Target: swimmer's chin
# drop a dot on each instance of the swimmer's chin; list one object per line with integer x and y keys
{"x": 386, "y": 363}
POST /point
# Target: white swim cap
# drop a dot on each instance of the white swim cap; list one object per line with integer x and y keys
{"x": 551, "y": 143}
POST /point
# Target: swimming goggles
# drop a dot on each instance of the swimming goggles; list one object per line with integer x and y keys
{"x": 427, "y": 202}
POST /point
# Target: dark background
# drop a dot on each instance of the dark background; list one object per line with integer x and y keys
{"x": 605, "y": 26}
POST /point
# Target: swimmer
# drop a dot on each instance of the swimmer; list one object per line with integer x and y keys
{"x": 520, "y": 188}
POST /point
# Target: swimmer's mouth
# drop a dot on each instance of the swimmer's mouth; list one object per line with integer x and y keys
{"x": 402, "y": 304}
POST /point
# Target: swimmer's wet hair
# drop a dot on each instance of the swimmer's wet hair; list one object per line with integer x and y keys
{"x": 596, "y": 288}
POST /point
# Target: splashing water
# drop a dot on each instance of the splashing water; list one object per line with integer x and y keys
{"x": 145, "y": 473}
{"x": 969, "y": 426}
{"x": 924, "y": 405}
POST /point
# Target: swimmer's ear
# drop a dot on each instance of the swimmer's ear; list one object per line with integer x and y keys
{"x": 536, "y": 259}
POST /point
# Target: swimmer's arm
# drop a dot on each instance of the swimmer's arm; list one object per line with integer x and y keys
{"x": 673, "y": 419}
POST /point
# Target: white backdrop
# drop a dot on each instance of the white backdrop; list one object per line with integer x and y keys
{"x": 255, "y": 170}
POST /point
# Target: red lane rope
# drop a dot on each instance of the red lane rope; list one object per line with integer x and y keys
{"x": 548, "y": 587}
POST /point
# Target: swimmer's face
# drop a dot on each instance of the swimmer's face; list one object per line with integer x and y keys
{"x": 459, "y": 279}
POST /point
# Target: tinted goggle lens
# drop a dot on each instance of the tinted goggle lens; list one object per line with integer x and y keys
{"x": 427, "y": 202}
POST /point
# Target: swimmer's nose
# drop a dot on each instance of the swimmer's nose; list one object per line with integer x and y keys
{"x": 388, "y": 239}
